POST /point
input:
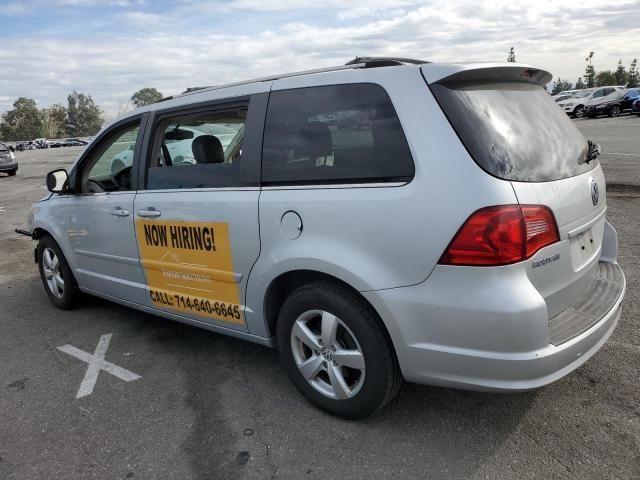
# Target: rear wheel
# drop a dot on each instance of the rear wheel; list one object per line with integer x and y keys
{"x": 56, "y": 275}
{"x": 579, "y": 111}
{"x": 614, "y": 111}
{"x": 334, "y": 349}
{"x": 13, "y": 172}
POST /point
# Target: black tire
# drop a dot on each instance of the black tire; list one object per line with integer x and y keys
{"x": 12, "y": 173}
{"x": 579, "y": 111}
{"x": 381, "y": 376}
{"x": 614, "y": 111}
{"x": 70, "y": 292}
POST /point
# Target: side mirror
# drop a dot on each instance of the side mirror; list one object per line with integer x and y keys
{"x": 58, "y": 181}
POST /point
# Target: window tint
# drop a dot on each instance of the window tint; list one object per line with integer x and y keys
{"x": 198, "y": 151}
{"x": 514, "y": 130}
{"x": 339, "y": 133}
{"x": 109, "y": 167}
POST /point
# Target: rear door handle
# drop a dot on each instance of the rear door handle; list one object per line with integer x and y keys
{"x": 149, "y": 213}
{"x": 119, "y": 212}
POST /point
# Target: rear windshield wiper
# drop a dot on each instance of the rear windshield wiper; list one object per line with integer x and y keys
{"x": 593, "y": 151}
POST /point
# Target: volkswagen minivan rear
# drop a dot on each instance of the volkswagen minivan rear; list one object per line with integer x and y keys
{"x": 524, "y": 292}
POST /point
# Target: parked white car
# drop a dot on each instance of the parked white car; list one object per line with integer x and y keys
{"x": 558, "y": 97}
{"x": 574, "y": 106}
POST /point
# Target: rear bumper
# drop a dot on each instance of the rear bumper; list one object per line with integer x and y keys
{"x": 491, "y": 336}
{"x": 6, "y": 167}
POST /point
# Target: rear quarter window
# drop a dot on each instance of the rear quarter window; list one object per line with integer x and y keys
{"x": 334, "y": 134}
{"x": 514, "y": 130}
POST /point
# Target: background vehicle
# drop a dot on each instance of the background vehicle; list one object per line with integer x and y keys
{"x": 41, "y": 143}
{"x": 75, "y": 142}
{"x": 574, "y": 106}
{"x": 8, "y": 162}
{"x": 612, "y": 105}
{"x": 631, "y": 96}
{"x": 558, "y": 97}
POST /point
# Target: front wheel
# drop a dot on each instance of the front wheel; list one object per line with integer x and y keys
{"x": 335, "y": 350}
{"x": 12, "y": 173}
{"x": 56, "y": 275}
{"x": 579, "y": 111}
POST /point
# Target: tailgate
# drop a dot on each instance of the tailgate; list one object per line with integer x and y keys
{"x": 562, "y": 272}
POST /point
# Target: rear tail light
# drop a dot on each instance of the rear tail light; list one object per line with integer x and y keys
{"x": 502, "y": 235}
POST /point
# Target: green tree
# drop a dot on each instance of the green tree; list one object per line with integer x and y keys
{"x": 580, "y": 84}
{"x": 512, "y": 56}
{"x": 560, "y": 85}
{"x": 604, "y": 78}
{"x": 633, "y": 77}
{"x": 54, "y": 121}
{"x": 24, "y": 122}
{"x": 590, "y": 72}
{"x": 146, "y": 96}
{"x": 621, "y": 74}
{"x": 84, "y": 117}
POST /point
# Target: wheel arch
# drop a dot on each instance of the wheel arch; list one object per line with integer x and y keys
{"x": 41, "y": 231}
{"x": 285, "y": 283}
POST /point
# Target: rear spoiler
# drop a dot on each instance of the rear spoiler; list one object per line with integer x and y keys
{"x": 485, "y": 72}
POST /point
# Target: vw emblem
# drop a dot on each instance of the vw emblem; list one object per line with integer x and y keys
{"x": 594, "y": 193}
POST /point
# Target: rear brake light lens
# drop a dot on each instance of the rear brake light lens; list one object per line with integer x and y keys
{"x": 502, "y": 235}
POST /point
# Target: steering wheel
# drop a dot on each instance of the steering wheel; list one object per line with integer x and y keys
{"x": 94, "y": 186}
{"x": 123, "y": 178}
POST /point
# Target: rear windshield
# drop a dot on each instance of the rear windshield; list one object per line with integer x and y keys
{"x": 514, "y": 130}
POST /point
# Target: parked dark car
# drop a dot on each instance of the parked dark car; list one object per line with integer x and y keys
{"x": 75, "y": 142}
{"x": 631, "y": 96}
{"x": 8, "y": 163}
{"x": 611, "y": 105}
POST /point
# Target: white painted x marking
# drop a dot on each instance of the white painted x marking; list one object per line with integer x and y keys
{"x": 96, "y": 363}
{"x": 2, "y": 210}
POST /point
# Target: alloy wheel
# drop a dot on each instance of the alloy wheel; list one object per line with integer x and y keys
{"x": 52, "y": 272}
{"x": 328, "y": 354}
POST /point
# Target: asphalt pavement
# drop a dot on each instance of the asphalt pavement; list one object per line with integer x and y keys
{"x": 207, "y": 406}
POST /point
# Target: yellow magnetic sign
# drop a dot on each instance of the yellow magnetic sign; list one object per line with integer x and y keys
{"x": 189, "y": 268}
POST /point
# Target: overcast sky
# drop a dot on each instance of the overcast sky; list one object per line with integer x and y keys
{"x": 111, "y": 48}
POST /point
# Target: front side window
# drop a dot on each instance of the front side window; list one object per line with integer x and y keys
{"x": 201, "y": 150}
{"x": 109, "y": 166}
{"x": 334, "y": 134}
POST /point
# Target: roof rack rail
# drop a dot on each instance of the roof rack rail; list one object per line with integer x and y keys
{"x": 358, "y": 62}
{"x": 372, "y": 62}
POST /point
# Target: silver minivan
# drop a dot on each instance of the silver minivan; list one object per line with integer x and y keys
{"x": 382, "y": 221}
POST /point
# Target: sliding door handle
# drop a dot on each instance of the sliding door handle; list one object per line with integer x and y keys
{"x": 149, "y": 213}
{"x": 119, "y": 212}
